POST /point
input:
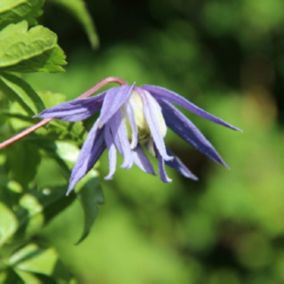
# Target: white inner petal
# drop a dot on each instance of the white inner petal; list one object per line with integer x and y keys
{"x": 137, "y": 105}
{"x": 157, "y": 112}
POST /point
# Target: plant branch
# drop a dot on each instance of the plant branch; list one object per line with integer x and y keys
{"x": 45, "y": 121}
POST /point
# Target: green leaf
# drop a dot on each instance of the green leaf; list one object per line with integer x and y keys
{"x": 33, "y": 258}
{"x": 89, "y": 188}
{"x": 36, "y": 263}
{"x": 91, "y": 197}
{"x": 8, "y": 223}
{"x": 22, "y": 92}
{"x": 8, "y": 114}
{"x": 79, "y": 10}
{"x": 25, "y": 212}
{"x": 10, "y": 276}
{"x": 35, "y": 278}
{"x": 12, "y": 91}
{"x": 30, "y": 50}
{"x": 42, "y": 206}
{"x": 17, "y": 158}
{"x": 13, "y": 11}
{"x": 51, "y": 149}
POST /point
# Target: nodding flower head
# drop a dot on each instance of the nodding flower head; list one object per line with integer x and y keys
{"x": 134, "y": 119}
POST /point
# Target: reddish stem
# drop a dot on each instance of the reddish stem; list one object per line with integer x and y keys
{"x": 101, "y": 84}
{"x": 45, "y": 121}
{"x": 24, "y": 133}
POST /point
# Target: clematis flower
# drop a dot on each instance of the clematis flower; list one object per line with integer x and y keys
{"x": 133, "y": 119}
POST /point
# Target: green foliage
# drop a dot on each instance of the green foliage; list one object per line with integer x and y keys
{"x": 78, "y": 9}
{"x": 21, "y": 92}
{"x": 29, "y": 50}
{"x": 28, "y": 204}
{"x": 226, "y": 56}
{"x": 259, "y": 17}
{"x": 91, "y": 197}
{"x": 25, "y": 211}
{"x": 228, "y": 227}
{"x": 17, "y": 159}
{"x": 13, "y": 11}
{"x": 35, "y": 263}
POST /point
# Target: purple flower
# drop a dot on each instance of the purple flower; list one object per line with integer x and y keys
{"x": 131, "y": 120}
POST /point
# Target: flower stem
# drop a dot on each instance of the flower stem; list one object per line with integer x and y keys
{"x": 24, "y": 133}
{"x": 45, "y": 121}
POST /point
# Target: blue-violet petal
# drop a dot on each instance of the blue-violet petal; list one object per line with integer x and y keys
{"x": 75, "y": 110}
{"x": 162, "y": 171}
{"x": 119, "y": 134}
{"x": 178, "y": 165}
{"x": 164, "y": 94}
{"x": 151, "y": 110}
{"x": 113, "y": 101}
{"x": 111, "y": 152}
{"x": 141, "y": 160}
{"x": 180, "y": 124}
{"x": 91, "y": 151}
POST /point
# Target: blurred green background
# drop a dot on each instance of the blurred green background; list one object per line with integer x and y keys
{"x": 226, "y": 56}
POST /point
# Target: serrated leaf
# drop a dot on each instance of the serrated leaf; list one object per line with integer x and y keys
{"x": 91, "y": 198}
{"x": 79, "y": 10}
{"x": 13, "y": 11}
{"x": 30, "y": 50}
{"x": 48, "y": 61}
{"x": 22, "y": 92}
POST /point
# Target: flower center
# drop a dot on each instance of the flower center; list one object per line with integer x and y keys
{"x": 137, "y": 105}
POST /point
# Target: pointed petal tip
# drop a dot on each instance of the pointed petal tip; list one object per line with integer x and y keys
{"x": 223, "y": 123}
{"x": 191, "y": 176}
{"x": 227, "y": 167}
{"x": 151, "y": 172}
{"x": 168, "y": 180}
{"x": 164, "y": 94}
{"x": 69, "y": 190}
{"x": 108, "y": 177}
{"x": 100, "y": 125}
{"x": 40, "y": 115}
{"x": 219, "y": 160}
{"x": 224, "y": 164}
{"x": 194, "y": 178}
{"x": 235, "y": 128}
{"x": 168, "y": 158}
{"x": 126, "y": 165}
{"x": 133, "y": 144}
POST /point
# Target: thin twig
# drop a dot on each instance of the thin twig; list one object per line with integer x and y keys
{"x": 45, "y": 121}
